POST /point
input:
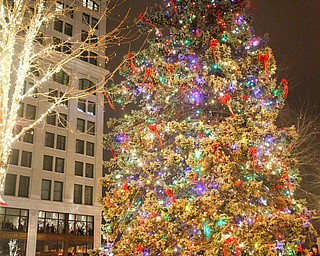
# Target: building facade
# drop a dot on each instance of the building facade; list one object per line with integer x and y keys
{"x": 52, "y": 182}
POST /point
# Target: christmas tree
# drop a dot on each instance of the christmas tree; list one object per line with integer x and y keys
{"x": 201, "y": 168}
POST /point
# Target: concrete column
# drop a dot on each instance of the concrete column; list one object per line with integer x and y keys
{"x": 32, "y": 232}
{"x": 97, "y": 231}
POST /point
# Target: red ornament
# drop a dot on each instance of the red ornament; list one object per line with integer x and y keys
{"x": 245, "y": 98}
{"x": 170, "y": 194}
{"x": 214, "y": 44}
{"x": 228, "y": 241}
{"x": 154, "y": 128}
{"x": 285, "y": 88}
{"x": 174, "y": 6}
{"x": 125, "y": 186}
{"x": 264, "y": 59}
{"x": 226, "y": 100}
{"x": 133, "y": 67}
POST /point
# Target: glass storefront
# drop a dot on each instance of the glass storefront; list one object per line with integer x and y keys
{"x": 64, "y": 234}
{"x": 14, "y": 219}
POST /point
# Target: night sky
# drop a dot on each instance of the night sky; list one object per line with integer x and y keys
{"x": 294, "y": 32}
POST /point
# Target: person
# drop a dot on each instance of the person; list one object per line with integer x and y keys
{"x": 314, "y": 250}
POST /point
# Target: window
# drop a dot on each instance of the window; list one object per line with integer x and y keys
{"x": 26, "y": 158}
{"x": 31, "y": 112}
{"x": 86, "y": 18}
{"x": 28, "y": 136}
{"x": 52, "y": 95}
{"x": 51, "y": 222}
{"x": 68, "y": 29}
{"x": 82, "y": 105}
{"x": 47, "y": 163}
{"x": 49, "y": 140}
{"x": 61, "y": 142}
{"x": 28, "y": 89}
{"x": 59, "y": 166}
{"x": 78, "y": 168}
{"x": 58, "y": 25}
{"x": 84, "y": 35}
{"x": 24, "y": 186}
{"x": 62, "y": 120}
{"x": 14, "y": 156}
{"x": 89, "y": 170}
{"x": 91, "y": 107}
{"x": 90, "y": 57}
{"x": 64, "y": 99}
{"x": 90, "y": 149}
{"x": 51, "y": 118}
{"x": 80, "y": 125}
{"x": 10, "y": 184}
{"x": 20, "y": 109}
{"x": 85, "y": 84}
{"x": 61, "y": 77}
{"x": 80, "y": 146}
{"x": 77, "y": 194}
{"x": 88, "y": 195}
{"x": 14, "y": 220}
{"x": 46, "y": 190}
{"x": 62, "y": 46}
{"x": 90, "y": 4}
{"x": 81, "y": 225}
{"x": 91, "y": 127}
{"x": 57, "y": 191}
{"x": 94, "y": 23}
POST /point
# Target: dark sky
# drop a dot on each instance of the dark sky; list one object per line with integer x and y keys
{"x": 294, "y": 30}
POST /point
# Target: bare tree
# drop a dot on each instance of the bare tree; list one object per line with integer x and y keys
{"x": 29, "y": 52}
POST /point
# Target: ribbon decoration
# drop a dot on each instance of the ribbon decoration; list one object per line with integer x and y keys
{"x": 174, "y": 6}
{"x": 254, "y": 152}
{"x": 230, "y": 241}
{"x": 154, "y": 128}
{"x": 285, "y": 88}
{"x": 220, "y": 20}
{"x": 109, "y": 100}
{"x": 133, "y": 67}
{"x": 146, "y": 74}
{"x": 170, "y": 194}
{"x": 125, "y": 186}
{"x": 264, "y": 59}
{"x": 214, "y": 44}
{"x": 226, "y": 100}
{"x": 286, "y": 177}
{"x": 113, "y": 153}
{"x": 139, "y": 248}
{"x": 141, "y": 18}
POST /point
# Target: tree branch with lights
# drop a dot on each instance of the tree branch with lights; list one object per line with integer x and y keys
{"x": 28, "y": 54}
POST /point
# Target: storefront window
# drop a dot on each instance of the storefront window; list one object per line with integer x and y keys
{"x": 80, "y": 225}
{"x": 13, "y": 219}
{"x": 51, "y": 222}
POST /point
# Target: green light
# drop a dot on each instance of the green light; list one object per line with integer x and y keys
{"x": 221, "y": 222}
{"x": 224, "y": 38}
{"x": 187, "y": 41}
{"x": 198, "y": 111}
{"x": 150, "y": 121}
{"x": 162, "y": 79}
{"x": 207, "y": 132}
{"x": 119, "y": 101}
{"x": 287, "y": 192}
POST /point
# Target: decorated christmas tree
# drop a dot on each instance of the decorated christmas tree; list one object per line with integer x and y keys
{"x": 201, "y": 168}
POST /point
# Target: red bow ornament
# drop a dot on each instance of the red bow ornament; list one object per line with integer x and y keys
{"x": 146, "y": 74}
{"x": 254, "y": 152}
{"x": 286, "y": 177}
{"x": 214, "y": 44}
{"x": 133, "y": 67}
{"x": 174, "y": 6}
{"x": 285, "y": 88}
{"x": 230, "y": 241}
{"x": 226, "y": 100}
{"x": 170, "y": 194}
{"x": 154, "y": 128}
{"x": 109, "y": 100}
{"x": 264, "y": 59}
